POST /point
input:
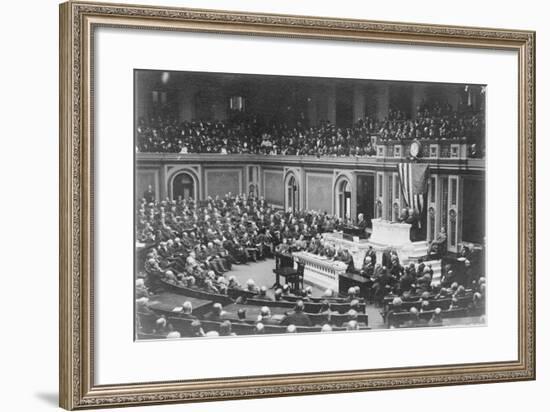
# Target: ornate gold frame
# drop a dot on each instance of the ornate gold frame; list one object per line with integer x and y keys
{"x": 77, "y": 21}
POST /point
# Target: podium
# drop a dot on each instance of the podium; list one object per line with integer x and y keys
{"x": 391, "y": 233}
{"x": 397, "y": 236}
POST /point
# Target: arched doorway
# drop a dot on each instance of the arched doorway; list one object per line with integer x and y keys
{"x": 343, "y": 197}
{"x": 183, "y": 186}
{"x": 292, "y": 194}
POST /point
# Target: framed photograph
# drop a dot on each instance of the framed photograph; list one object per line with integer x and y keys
{"x": 260, "y": 205}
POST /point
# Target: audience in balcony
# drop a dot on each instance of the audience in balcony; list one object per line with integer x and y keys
{"x": 251, "y": 136}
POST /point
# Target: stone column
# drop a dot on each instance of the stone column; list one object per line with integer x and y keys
{"x": 382, "y": 100}
{"x": 144, "y": 96}
{"x": 186, "y": 103}
{"x": 358, "y": 103}
{"x": 312, "y": 102}
{"x": 219, "y": 108}
{"x": 331, "y": 104}
{"x": 418, "y": 96}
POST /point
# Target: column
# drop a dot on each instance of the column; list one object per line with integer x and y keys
{"x": 353, "y": 189}
{"x": 312, "y": 102}
{"x": 358, "y": 103}
{"x": 164, "y": 189}
{"x": 382, "y": 100}
{"x": 186, "y": 103}
{"x": 418, "y": 96}
{"x": 331, "y": 104}
{"x": 144, "y": 97}
{"x": 219, "y": 107}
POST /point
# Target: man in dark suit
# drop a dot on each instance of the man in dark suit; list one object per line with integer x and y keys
{"x": 149, "y": 194}
{"x": 413, "y": 220}
{"x": 372, "y": 254}
{"x": 362, "y": 223}
{"x": 297, "y": 317}
{"x": 406, "y": 281}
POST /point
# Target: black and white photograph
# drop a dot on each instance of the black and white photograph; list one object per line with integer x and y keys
{"x": 277, "y": 205}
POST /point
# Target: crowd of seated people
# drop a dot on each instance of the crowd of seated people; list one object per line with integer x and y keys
{"x": 432, "y": 121}
{"x": 194, "y": 244}
{"x": 391, "y": 278}
{"x": 249, "y": 135}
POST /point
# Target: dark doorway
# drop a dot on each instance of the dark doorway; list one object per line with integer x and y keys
{"x": 365, "y": 197}
{"x": 183, "y": 187}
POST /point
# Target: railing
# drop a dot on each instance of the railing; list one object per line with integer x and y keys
{"x": 437, "y": 148}
{"x": 320, "y": 271}
{"x": 305, "y": 161}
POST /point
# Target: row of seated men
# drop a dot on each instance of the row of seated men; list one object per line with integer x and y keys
{"x": 251, "y": 135}
{"x": 224, "y": 322}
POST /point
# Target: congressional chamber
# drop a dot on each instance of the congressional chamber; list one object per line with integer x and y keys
{"x": 280, "y": 205}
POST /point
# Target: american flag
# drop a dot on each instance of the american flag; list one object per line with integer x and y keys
{"x": 413, "y": 178}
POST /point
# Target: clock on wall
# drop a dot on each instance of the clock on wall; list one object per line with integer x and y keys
{"x": 415, "y": 148}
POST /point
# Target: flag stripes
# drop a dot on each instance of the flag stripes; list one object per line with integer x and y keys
{"x": 413, "y": 178}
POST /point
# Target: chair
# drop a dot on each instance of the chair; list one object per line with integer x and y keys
{"x": 302, "y": 329}
{"x": 241, "y": 328}
{"x": 318, "y": 318}
{"x": 274, "y": 329}
{"x": 183, "y": 326}
{"x": 363, "y": 318}
{"x": 338, "y": 319}
{"x": 210, "y": 325}
{"x": 344, "y": 307}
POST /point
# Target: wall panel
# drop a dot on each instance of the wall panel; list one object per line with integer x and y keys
{"x": 273, "y": 184}
{"x": 144, "y": 178}
{"x": 222, "y": 181}
{"x": 319, "y": 192}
